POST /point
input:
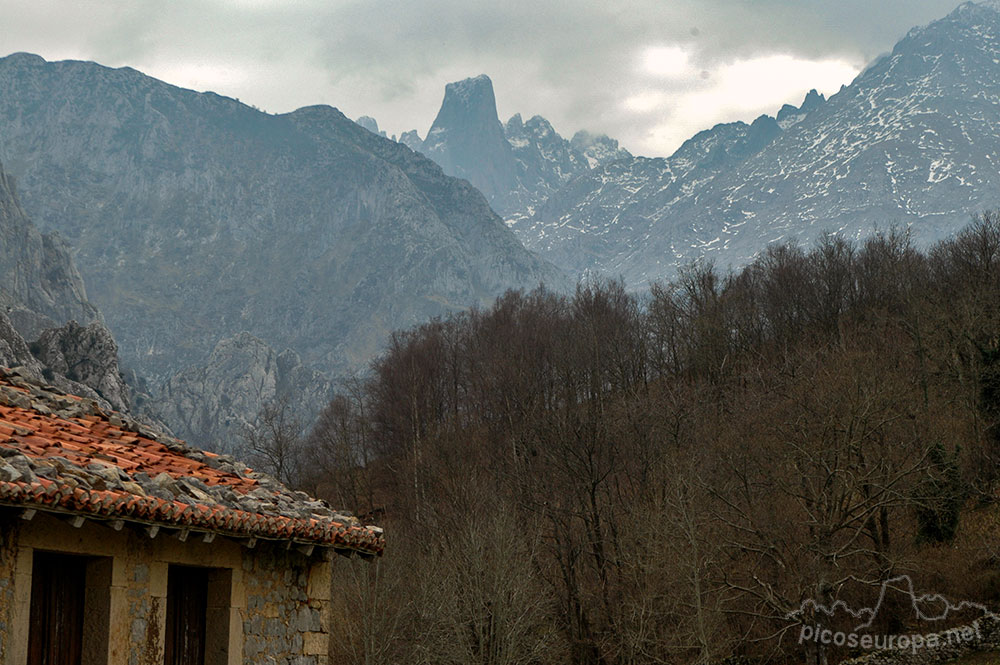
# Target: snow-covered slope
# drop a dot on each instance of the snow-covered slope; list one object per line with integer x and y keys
{"x": 914, "y": 140}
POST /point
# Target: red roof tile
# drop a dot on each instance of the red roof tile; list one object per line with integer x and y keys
{"x": 96, "y": 465}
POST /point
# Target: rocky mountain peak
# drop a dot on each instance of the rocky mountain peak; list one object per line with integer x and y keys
{"x": 598, "y": 148}
{"x": 412, "y": 140}
{"x": 813, "y": 100}
{"x": 790, "y": 115}
{"x": 370, "y": 124}
{"x": 87, "y": 355}
{"x": 471, "y": 94}
{"x": 469, "y": 106}
{"x": 467, "y": 139}
{"x": 518, "y": 164}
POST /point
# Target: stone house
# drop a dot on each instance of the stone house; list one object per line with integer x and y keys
{"x": 121, "y": 546}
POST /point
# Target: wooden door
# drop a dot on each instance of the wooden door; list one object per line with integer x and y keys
{"x": 58, "y": 587}
{"x": 187, "y": 600}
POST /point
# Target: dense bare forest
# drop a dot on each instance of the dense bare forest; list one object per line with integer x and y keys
{"x": 624, "y": 479}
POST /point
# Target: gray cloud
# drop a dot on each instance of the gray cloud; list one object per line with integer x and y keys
{"x": 573, "y": 62}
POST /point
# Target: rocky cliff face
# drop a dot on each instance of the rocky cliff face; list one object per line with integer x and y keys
{"x": 81, "y": 360}
{"x": 212, "y": 405}
{"x": 40, "y": 289}
{"x": 14, "y": 351}
{"x": 196, "y": 217}
{"x": 39, "y": 284}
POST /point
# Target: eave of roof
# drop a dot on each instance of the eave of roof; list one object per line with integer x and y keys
{"x": 61, "y": 453}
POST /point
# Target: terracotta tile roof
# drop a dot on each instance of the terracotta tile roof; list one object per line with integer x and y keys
{"x": 63, "y": 453}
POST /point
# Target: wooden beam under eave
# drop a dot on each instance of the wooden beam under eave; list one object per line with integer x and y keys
{"x": 28, "y": 514}
{"x": 75, "y": 521}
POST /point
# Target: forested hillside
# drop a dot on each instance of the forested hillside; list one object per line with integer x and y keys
{"x": 608, "y": 478}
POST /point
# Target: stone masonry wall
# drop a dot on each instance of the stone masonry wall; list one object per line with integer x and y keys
{"x": 286, "y": 620}
{"x": 274, "y": 600}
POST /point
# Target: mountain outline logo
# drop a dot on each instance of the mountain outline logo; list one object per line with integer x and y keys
{"x": 901, "y": 583}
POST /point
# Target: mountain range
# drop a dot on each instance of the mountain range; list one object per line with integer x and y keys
{"x": 911, "y": 142}
{"x": 195, "y": 218}
{"x": 239, "y": 256}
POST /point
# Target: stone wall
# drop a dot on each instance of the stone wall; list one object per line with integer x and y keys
{"x": 284, "y": 622}
{"x": 267, "y": 605}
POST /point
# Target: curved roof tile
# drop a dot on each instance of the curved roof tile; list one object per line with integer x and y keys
{"x": 62, "y": 453}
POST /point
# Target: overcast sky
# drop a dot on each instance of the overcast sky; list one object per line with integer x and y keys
{"x": 648, "y": 72}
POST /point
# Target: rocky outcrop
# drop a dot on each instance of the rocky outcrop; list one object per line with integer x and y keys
{"x": 77, "y": 359}
{"x": 212, "y": 404}
{"x": 411, "y": 140}
{"x": 39, "y": 284}
{"x": 370, "y": 124}
{"x": 14, "y": 351}
{"x": 85, "y": 355}
{"x": 789, "y": 116}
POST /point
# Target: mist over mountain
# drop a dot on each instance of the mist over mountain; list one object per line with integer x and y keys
{"x": 196, "y": 218}
{"x": 910, "y": 142}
